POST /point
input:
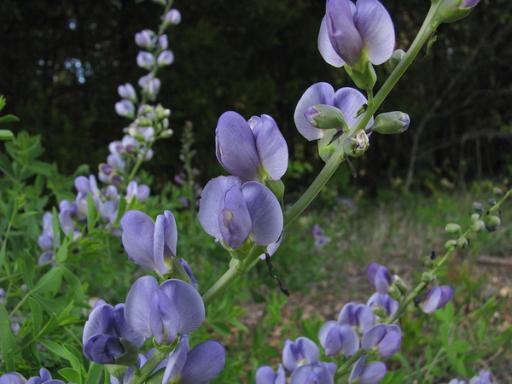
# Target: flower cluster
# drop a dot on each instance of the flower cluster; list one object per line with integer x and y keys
{"x": 15, "y": 378}
{"x": 365, "y": 333}
{"x": 483, "y": 377}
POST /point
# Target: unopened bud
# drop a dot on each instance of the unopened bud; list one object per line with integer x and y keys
{"x": 452, "y": 228}
{"x": 167, "y": 133}
{"x": 492, "y": 222}
{"x": 478, "y": 207}
{"x": 478, "y": 226}
{"x": 325, "y": 116}
{"x": 453, "y": 10}
{"x": 450, "y": 244}
{"x": 357, "y": 146}
{"x": 427, "y": 277}
{"x": 462, "y": 242}
{"x": 475, "y": 217}
{"x": 390, "y": 123}
{"x": 400, "y": 284}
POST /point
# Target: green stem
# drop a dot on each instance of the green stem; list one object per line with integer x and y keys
{"x": 148, "y": 368}
{"x": 427, "y": 29}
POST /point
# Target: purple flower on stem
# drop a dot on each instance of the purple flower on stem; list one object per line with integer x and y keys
{"x": 150, "y": 245}
{"x": 145, "y": 60}
{"x": 316, "y": 373}
{"x": 44, "y": 378}
{"x": 484, "y": 377}
{"x": 383, "y": 337}
{"x": 107, "y": 337}
{"x": 266, "y": 375}
{"x": 173, "y": 17}
{"x": 165, "y": 58}
{"x": 379, "y": 277}
{"x": 145, "y": 39}
{"x": 150, "y": 85}
{"x": 319, "y": 237}
{"x": 12, "y": 378}
{"x": 197, "y": 366}
{"x": 384, "y": 301}
{"x": 436, "y": 297}
{"x": 348, "y": 100}
{"x": 357, "y": 315}
{"x": 353, "y": 33}
{"x": 231, "y": 211}
{"x": 163, "y": 42}
{"x": 136, "y": 191}
{"x": 300, "y": 352}
{"x": 125, "y": 108}
{"x": 164, "y": 311}
{"x": 371, "y": 373}
{"x": 336, "y": 338}
{"x": 260, "y": 151}
{"x": 126, "y": 91}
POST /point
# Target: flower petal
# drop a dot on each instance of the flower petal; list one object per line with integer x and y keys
{"x": 137, "y": 237}
{"x": 236, "y": 147}
{"x": 138, "y": 304}
{"x": 376, "y": 28}
{"x": 103, "y": 349}
{"x": 234, "y": 218}
{"x": 204, "y": 362}
{"x": 100, "y": 319}
{"x": 176, "y": 361}
{"x": 325, "y": 47}
{"x": 271, "y": 145}
{"x": 265, "y": 211}
{"x": 319, "y": 93}
{"x": 350, "y": 101}
{"x": 312, "y": 373}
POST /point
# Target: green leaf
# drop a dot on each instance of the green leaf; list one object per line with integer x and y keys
{"x": 9, "y": 119}
{"x": 36, "y": 314}
{"x": 94, "y": 374}
{"x": 50, "y": 282}
{"x": 7, "y": 340}
{"x": 55, "y": 230}
{"x": 5, "y": 134}
{"x": 92, "y": 214}
{"x": 64, "y": 353}
{"x": 70, "y": 375}
{"x": 62, "y": 252}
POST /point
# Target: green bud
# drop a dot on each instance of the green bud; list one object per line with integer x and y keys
{"x": 452, "y": 228}
{"x": 498, "y": 191}
{"x": 400, "y": 284}
{"x": 478, "y": 226}
{"x": 453, "y": 10}
{"x": 396, "y": 58}
{"x": 478, "y": 207}
{"x": 492, "y": 222}
{"x": 167, "y": 133}
{"x": 325, "y": 117}
{"x": 395, "y": 293}
{"x": 390, "y": 123}
{"x": 358, "y": 145}
{"x": 450, "y": 244}
{"x": 427, "y": 277}
{"x": 428, "y": 262}
{"x": 475, "y": 217}
{"x": 462, "y": 242}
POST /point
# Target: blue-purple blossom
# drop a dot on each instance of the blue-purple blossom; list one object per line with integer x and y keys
{"x": 126, "y": 91}
{"x": 357, "y": 315}
{"x": 107, "y": 337}
{"x": 44, "y": 378}
{"x": 173, "y": 17}
{"x": 197, "y": 366}
{"x": 232, "y": 211}
{"x": 136, "y": 191}
{"x": 336, "y": 338}
{"x": 371, "y": 373}
{"x": 164, "y": 311}
{"x": 145, "y": 60}
{"x": 260, "y": 151}
{"x": 383, "y": 337}
{"x": 316, "y": 373}
{"x": 483, "y": 377}
{"x": 319, "y": 237}
{"x": 125, "y": 108}
{"x": 436, "y": 297}
{"x": 470, "y": 3}
{"x": 353, "y": 33}
{"x": 150, "y": 245}
{"x": 150, "y": 85}
{"x": 348, "y": 100}
{"x": 165, "y": 58}
{"x": 12, "y": 378}
{"x": 266, "y": 375}
{"x": 383, "y": 301}
{"x": 300, "y": 352}
{"x": 45, "y": 240}
{"x": 379, "y": 277}
{"x": 145, "y": 39}
{"x": 163, "y": 42}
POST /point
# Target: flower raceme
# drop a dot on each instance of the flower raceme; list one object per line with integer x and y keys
{"x": 233, "y": 212}
{"x": 15, "y": 378}
{"x": 253, "y": 149}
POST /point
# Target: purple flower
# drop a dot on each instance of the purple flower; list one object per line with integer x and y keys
{"x": 135, "y": 191}
{"x": 167, "y": 311}
{"x": 260, "y": 151}
{"x": 300, "y": 352}
{"x": 348, "y": 100}
{"x": 319, "y": 237}
{"x": 336, "y": 338}
{"x": 44, "y": 378}
{"x": 125, "y": 108}
{"x": 317, "y": 373}
{"x": 470, "y": 3}
{"x": 352, "y": 33}
{"x": 163, "y": 42}
{"x": 173, "y": 17}
{"x": 45, "y": 240}
{"x": 12, "y": 378}
{"x": 107, "y": 337}
{"x": 371, "y": 373}
{"x": 67, "y": 211}
{"x": 150, "y": 245}
{"x": 231, "y": 211}
{"x": 357, "y": 315}
{"x": 484, "y": 377}
{"x": 197, "y": 366}
{"x": 384, "y": 301}
{"x": 150, "y": 85}
{"x": 379, "y": 277}
{"x": 126, "y": 91}
{"x": 266, "y": 375}
{"x": 165, "y": 58}
{"x": 145, "y": 39}
{"x": 145, "y": 60}
{"x": 436, "y": 297}
{"x": 383, "y": 337}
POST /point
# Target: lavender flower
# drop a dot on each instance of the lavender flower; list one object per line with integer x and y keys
{"x": 317, "y": 373}
{"x": 371, "y": 373}
{"x": 353, "y": 33}
{"x": 383, "y": 337}
{"x": 384, "y": 302}
{"x": 231, "y": 211}
{"x": 125, "y": 108}
{"x": 348, "y": 101}
{"x": 126, "y": 91}
{"x": 319, "y": 237}
{"x": 197, "y": 366}
{"x": 145, "y": 60}
{"x": 165, "y": 58}
{"x": 145, "y": 39}
{"x": 150, "y": 85}
{"x": 45, "y": 240}
{"x": 266, "y": 375}
{"x": 260, "y": 151}
{"x": 173, "y": 17}
{"x": 436, "y": 297}
{"x": 44, "y": 378}
{"x": 300, "y": 352}
{"x": 336, "y": 338}
{"x": 379, "y": 277}
{"x": 12, "y": 378}
{"x": 136, "y": 191}
{"x": 357, "y": 315}
{"x": 167, "y": 311}
{"x": 108, "y": 338}
{"x": 150, "y": 245}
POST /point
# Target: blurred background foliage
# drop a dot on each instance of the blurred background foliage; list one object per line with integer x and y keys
{"x": 62, "y": 61}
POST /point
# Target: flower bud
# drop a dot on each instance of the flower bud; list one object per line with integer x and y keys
{"x": 462, "y": 242}
{"x": 145, "y": 60}
{"x": 478, "y": 226}
{"x": 390, "y": 123}
{"x": 452, "y": 228}
{"x": 325, "y": 116}
{"x": 450, "y": 244}
{"x": 163, "y": 42}
{"x": 125, "y": 108}
{"x": 165, "y": 58}
{"x": 357, "y": 146}
{"x": 475, "y": 217}
{"x": 492, "y": 222}
{"x": 145, "y": 39}
{"x": 436, "y": 298}
{"x": 478, "y": 207}
{"x": 126, "y": 91}
{"x": 453, "y": 10}
{"x": 173, "y": 17}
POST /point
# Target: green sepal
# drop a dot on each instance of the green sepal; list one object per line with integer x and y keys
{"x": 363, "y": 75}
